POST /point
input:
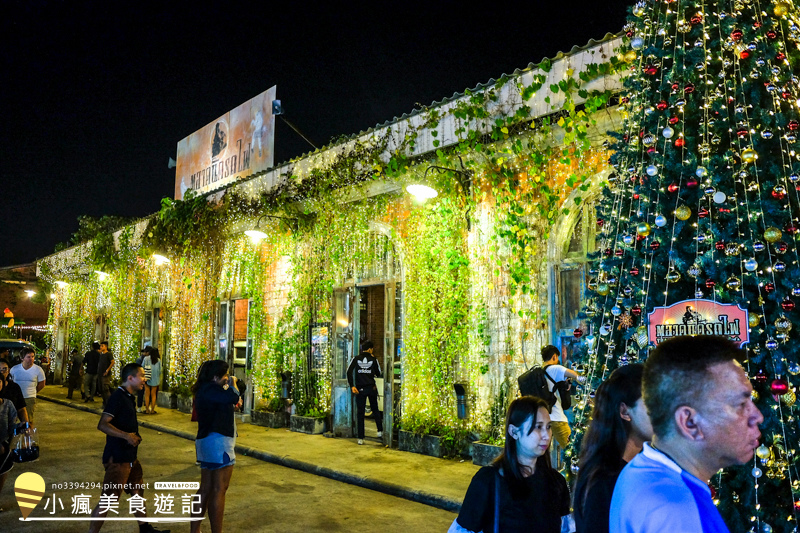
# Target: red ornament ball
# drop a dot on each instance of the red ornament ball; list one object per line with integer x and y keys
{"x": 772, "y": 34}
{"x": 780, "y": 57}
{"x": 618, "y": 252}
{"x": 702, "y": 212}
{"x": 675, "y": 86}
{"x": 673, "y": 187}
{"x": 719, "y": 245}
{"x": 779, "y": 386}
{"x": 710, "y": 283}
{"x": 650, "y": 70}
{"x": 742, "y": 132}
{"x": 674, "y": 120}
{"x": 634, "y": 271}
{"x": 577, "y": 333}
{"x": 600, "y": 222}
{"x": 736, "y": 34}
{"x": 680, "y": 142}
{"x": 636, "y": 310}
{"x": 607, "y": 252}
{"x": 793, "y": 125}
{"x": 692, "y": 183}
{"x": 787, "y": 304}
{"x": 689, "y": 88}
{"x": 661, "y": 106}
{"x": 655, "y": 245}
{"x": 769, "y": 287}
{"x": 761, "y": 376}
{"x": 744, "y": 54}
{"x": 790, "y": 228}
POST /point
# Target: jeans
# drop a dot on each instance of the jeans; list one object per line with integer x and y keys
{"x": 90, "y": 385}
{"x": 361, "y": 404}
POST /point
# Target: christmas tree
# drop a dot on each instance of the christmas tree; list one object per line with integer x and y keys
{"x": 702, "y": 211}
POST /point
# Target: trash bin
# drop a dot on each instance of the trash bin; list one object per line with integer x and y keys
{"x": 461, "y": 400}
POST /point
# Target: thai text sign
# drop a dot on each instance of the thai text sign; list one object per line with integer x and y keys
{"x": 698, "y": 317}
{"x": 237, "y": 144}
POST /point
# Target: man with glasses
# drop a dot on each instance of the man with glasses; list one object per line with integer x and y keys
{"x": 12, "y": 392}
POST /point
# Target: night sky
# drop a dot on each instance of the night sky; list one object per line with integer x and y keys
{"x": 97, "y": 95}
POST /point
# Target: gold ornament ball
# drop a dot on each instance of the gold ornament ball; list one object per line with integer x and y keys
{"x": 630, "y": 56}
{"x": 603, "y": 289}
{"x": 643, "y": 229}
{"x": 762, "y": 452}
{"x": 753, "y": 320}
{"x": 673, "y": 276}
{"x": 683, "y": 212}
{"x": 781, "y": 9}
{"x": 749, "y": 155}
{"x": 754, "y": 395}
{"x": 772, "y": 234}
{"x": 789, "y": 398}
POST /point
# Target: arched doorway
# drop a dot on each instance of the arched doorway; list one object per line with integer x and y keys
{"x": 369, "y": 305}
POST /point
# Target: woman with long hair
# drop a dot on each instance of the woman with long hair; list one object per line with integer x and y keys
{"x": 618, "y": 430}
{"x": 152, "y": 373}
{"x": 520, "y": 491}
{"x": 215, "y": 396}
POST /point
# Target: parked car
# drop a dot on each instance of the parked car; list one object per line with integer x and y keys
{"x": 14, "y": 348}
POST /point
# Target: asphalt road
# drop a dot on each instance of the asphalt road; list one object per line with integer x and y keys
{"x": 262, "y": 497}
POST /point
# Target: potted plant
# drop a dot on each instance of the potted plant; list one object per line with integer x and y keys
{"x": 184, "y": 398}
{"x": 312, "y": 420}
{"x": 270, "y": 413}
{"x": 486, "y": 450}
{"x": 167, "y": 399}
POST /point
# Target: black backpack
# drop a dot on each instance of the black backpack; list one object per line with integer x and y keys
{"x": 534, "y": 383}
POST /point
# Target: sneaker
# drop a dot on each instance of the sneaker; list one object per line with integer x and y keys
{"x": 380, "y": 434}
{"x": 360, "y": 441}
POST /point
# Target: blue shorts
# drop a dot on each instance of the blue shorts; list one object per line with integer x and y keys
{"x": 215, "y": 451}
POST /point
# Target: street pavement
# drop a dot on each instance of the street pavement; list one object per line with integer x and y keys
{"x": 438, "y": 482}
{"x": 263, "y": 497}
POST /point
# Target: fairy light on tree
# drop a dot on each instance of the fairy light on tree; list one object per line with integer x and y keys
{"x": 707, "y": 181}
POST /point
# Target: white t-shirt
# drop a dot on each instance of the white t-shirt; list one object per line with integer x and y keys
{"x": 558, "y": 373}
{"x": 27, "y": 379}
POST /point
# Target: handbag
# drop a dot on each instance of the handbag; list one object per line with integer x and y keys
{"x": 455, "y": 527}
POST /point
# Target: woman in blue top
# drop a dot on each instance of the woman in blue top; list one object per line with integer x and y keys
{"x": 152, "y": 373}
{"x": 214, "y": 401}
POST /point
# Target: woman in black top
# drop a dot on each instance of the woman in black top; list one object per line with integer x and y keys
{"x": 618, "y": 430}
{"x": 520, "y": 491}
{"x": 216, "y": 434}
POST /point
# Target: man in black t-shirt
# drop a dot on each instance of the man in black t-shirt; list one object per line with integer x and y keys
{"x": 90, "y": 360}
{"x": 121, "y": 427}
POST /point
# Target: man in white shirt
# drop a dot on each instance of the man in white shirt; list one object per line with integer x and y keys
{"x": 30, "y": 378}
{"x": 557, "y": 373}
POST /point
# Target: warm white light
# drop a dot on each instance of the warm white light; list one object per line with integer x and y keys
{"x": 422, "y": 192}
{"x": 100, "y": 274}
{"x": 52, "y": 295}
{"x": 160, "y": 259}
{"x": 30, "y": 293}
{"x": 255, "y": 234}
{"x": 61, "y": 284}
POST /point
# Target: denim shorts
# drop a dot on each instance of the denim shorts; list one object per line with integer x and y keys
{"x": 215, "y": 451}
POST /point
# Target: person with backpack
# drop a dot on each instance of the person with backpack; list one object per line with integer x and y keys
{"x": 549, "y": 382}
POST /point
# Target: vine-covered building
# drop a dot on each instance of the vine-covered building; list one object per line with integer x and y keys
{"x": 461, "y": 289}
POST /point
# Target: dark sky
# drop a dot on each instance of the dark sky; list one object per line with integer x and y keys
{"x": 96, "y": 95}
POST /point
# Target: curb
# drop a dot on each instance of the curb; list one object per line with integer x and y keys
{"x": 426, "y": 498}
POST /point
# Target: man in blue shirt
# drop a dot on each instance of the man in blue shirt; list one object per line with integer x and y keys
{"x": 704, "y": 419}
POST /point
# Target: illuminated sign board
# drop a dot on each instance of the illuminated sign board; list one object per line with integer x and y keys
{"x": 238, "y": 144}
{"x": 699, "y": 317}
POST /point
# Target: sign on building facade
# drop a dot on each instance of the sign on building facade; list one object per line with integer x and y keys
{"x": 237, "y": 144}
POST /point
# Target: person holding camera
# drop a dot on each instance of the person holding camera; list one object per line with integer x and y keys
{"x": 556, "y": 374}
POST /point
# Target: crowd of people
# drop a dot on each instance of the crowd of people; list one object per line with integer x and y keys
{"x": 659, "y": 432}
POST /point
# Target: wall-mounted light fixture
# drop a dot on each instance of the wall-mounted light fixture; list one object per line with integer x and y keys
{"x": 422, "y": 192}
{"x": 101, "y": 275}
{"x": 30, "y": 293}
{"x": 256, "y": 234}
{"x": 161, "y": 259}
